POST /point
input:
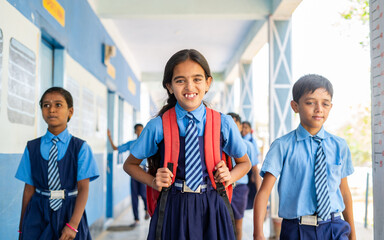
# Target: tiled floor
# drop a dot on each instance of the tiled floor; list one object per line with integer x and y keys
{"x": 141, "y": 231}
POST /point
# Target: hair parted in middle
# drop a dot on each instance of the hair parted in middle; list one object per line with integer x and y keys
{"x": 177, "y": 58}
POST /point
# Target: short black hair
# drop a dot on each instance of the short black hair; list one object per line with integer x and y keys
{"x": 248, "y": 123}
{"x": 137, "y": 125}
{"x": 66, "y": 95}
{"x": 310, "y": 83}
{"x": 235, "y": 116}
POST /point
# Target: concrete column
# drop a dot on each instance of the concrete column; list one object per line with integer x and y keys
{"x": 377, "y": 88}
{"x": 280, "y": 82}
{"x": 246, "y": 96}
{"x": 228, "y": 98}
{"x": 280, "y": 77}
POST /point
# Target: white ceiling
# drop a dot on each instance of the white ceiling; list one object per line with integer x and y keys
{"x": 149, "y": 32}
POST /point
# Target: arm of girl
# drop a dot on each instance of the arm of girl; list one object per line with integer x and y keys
{"x": 348, "y": 211}
{"x": 29, "y": 190}
{"x": 260, "y": 205}
{"x": 81, "y": 201}
{"x": 163, "y": 175}
{"x": 243, "y": 165}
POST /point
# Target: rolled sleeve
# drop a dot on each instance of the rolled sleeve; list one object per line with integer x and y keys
{"x": 273, "y": 162}
{"x": 24, "y": 170}
{"x": 87, "y": 167}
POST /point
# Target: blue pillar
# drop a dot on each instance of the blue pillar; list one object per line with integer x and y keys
{"x": 280, "y": 82}
{"x": 109, "y": 173}
{"x": 246, "y": 96}
{"x": 228, "y": 98}
{"x": 280, "y": 77}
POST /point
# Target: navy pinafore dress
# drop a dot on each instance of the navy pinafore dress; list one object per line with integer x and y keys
{"x": 193, "y": 216}
{"x": 40, "y": 221}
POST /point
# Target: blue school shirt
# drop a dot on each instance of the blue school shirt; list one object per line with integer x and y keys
{"x": 254, "y": 161}
{"x": 152, "y": 134}
{"x": 292, "y": 157}
{"x": 87, "y": 167}
{"x": 250, "y": 138}
{"x": 127, "y": 147}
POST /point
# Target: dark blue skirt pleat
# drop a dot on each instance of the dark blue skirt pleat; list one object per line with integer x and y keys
{"x": 191, "y": 216}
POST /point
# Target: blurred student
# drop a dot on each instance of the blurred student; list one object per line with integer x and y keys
{"x": 137, "y": 188}
{"x": 253, "y": 175}
{"x": 241, "y": 190}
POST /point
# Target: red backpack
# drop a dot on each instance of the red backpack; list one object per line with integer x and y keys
{"x": 172, "y": 147}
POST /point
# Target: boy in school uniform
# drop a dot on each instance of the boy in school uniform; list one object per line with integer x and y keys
{"x": 137, "y": 188}
{"x": 313, "y": 166}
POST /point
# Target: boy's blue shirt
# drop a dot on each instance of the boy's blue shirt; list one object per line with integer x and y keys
{"x": 87, "y": 167}
{"x": 252, "y": 156}
{"x": 127, "y": 147}
{"x": 152, "y": 134}
{"x": 250, "y": 138}
{"x": 292, "y": 158}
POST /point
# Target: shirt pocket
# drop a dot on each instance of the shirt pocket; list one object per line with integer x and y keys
{"x": 334, "y": 177}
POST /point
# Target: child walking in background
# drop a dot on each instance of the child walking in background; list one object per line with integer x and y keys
{"x": 240, "y": 190}
{"x": 137, "y": 188}
{"x": 313, "y": 166}
{"x": 189, "y": 206}
{"x": 56, "y": 169}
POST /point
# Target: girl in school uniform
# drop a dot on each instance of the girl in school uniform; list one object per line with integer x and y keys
{"x": 197, "y": 214}
{"x": 56, "y": 169}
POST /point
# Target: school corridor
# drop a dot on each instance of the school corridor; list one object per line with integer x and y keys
{"x": 119, "y": 229}
{"x": 110, "y": 55}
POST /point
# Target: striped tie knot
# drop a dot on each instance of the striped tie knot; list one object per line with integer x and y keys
{"x": 321, "y": 182}
{"x": 317, "y": 139}
{"x": 193, "y": 169}
{"x": 53, "y": 175}
{"x": 55, "y": 140}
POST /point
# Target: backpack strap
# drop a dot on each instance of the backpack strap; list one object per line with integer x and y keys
{"x": 171, "y": 140}
{"x": 212, "y": 151}
{"x": 163, "y": 201}
{"x": 171, "y": 159}
{"x": 171, "y": 154}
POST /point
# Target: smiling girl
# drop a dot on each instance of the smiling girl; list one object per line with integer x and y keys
{"x": 193, "y": 208}
{"x": 56, "y": 169}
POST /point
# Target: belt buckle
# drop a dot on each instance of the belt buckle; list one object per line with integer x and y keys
{"x": 310, "y": 220}
{"x": 57, "y": 194}
{"x": 187, "y": 189}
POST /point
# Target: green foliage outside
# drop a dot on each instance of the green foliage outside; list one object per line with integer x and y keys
{"x": 357, "y": 131}
{"x": 358, "y": 10}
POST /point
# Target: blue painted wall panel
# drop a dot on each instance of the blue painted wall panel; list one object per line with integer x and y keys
{"x": 96, "y": 199}
{"x": 11, "y": 191}
{"x": 83, "y": 37}
{"x": 121, "y": 185}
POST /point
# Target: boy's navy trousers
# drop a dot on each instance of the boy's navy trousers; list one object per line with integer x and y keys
{"x": 332, "y": 229}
